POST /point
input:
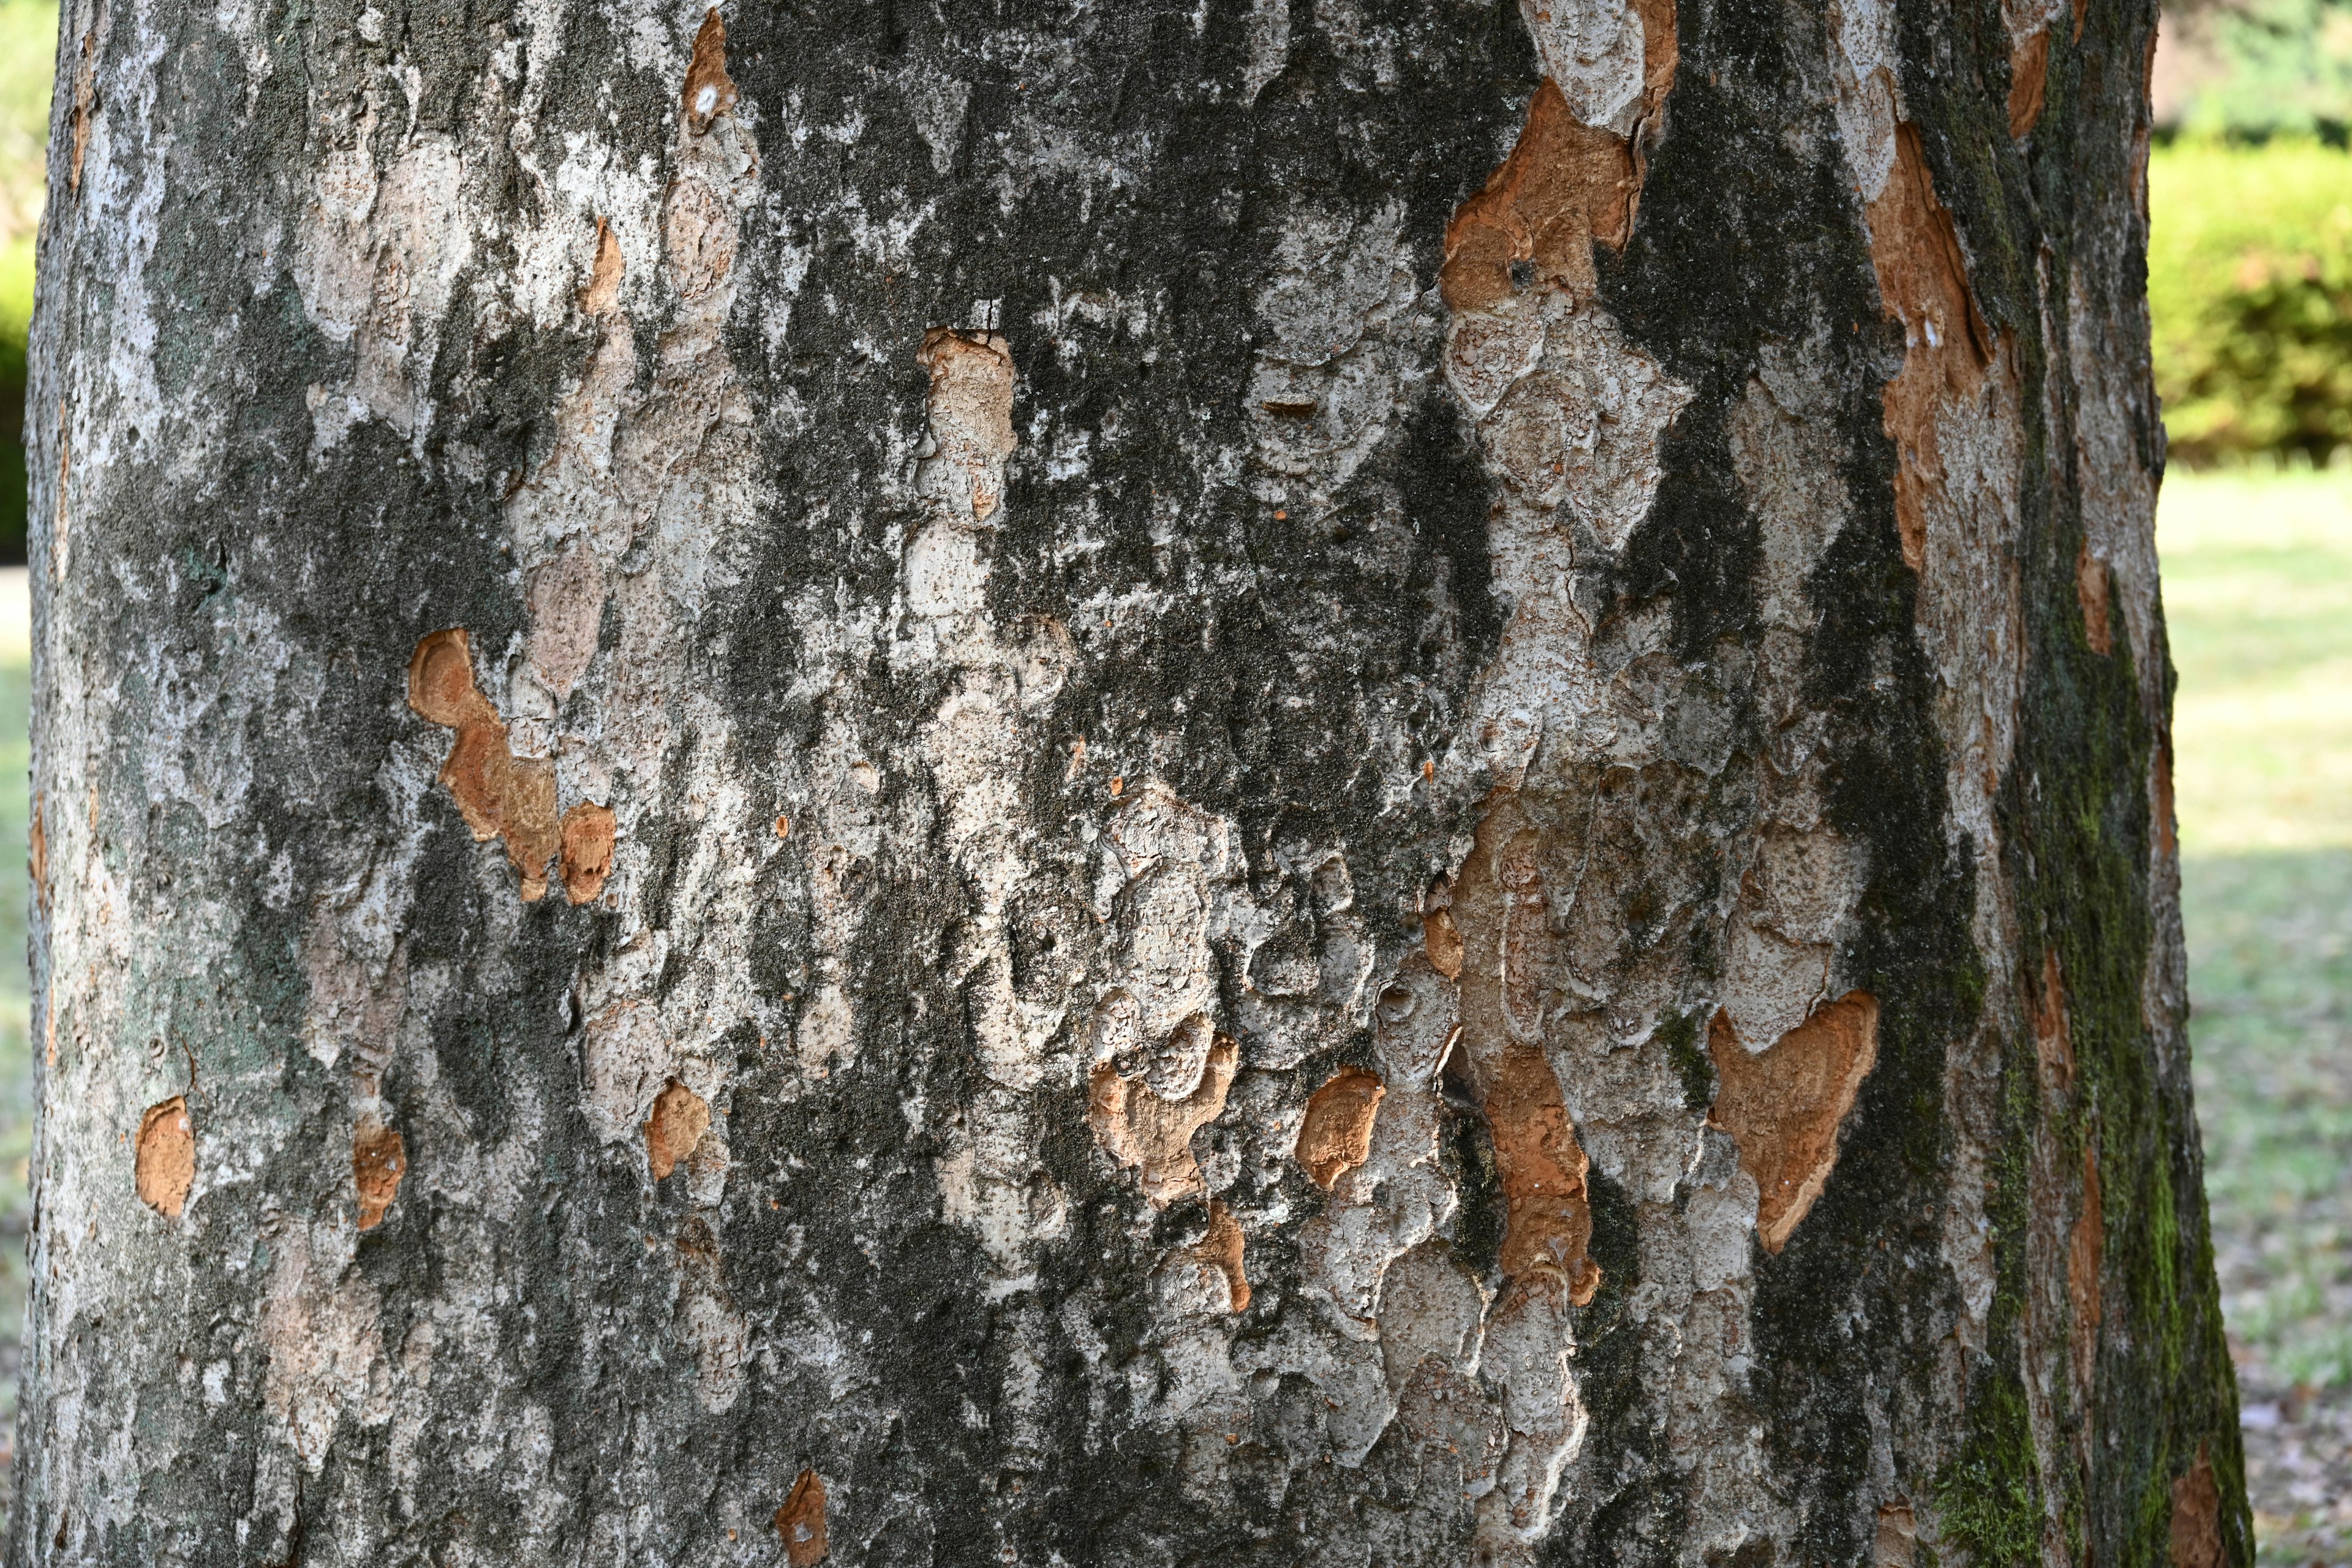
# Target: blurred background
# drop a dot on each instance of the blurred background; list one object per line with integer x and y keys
{"x": 2249, "y": 283}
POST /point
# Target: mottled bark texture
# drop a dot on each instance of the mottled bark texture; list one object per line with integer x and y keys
{"x": 903, "y": 782}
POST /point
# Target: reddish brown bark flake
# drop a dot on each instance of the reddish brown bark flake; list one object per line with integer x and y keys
{"x": 499, "y": 795}
{"x": 587, "y": 858}
{"x": 1222, "y": 1249}
{"x": 2091, "y": 589}
{"x": 2029, "y": 72}
{"x": 1140, "y": 1129}
{"x": 1335, "y": 1135}
{"x": 801, "y": 1522}
{"x": 1548, "y": 1225}
{"x": 1922, "y": 282}
{"x": 1782, "y": 1107}
{"x": 603, "y": 291}
{"x": 680, "y": 1117}
{"x": 2197, "y": 1517}
{"x": 165, "y": 1166}
{"x": 379, "y": 1160}
{"x": 709, "y": 92}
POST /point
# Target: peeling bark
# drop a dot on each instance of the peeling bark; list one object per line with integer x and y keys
{"x": 1334, "y": 784}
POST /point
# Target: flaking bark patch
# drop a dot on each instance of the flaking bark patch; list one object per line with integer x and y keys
{"x": 499, "y": 795}
{"x": 1922, "y": 282}
{"x": 379, "y": 1160}
{"x": 567, "y": 605}
{"x": 1897, "y": 1543}
{"x": 2086, "y": 1258}
{"x": 1782, "y": 1107}
{"x": 2197, "y": 1517}
{"x": 801, "y": 1522}
{"x": 710, "y": 91}
{"x": 1444, "y": 944}
{"x": 1336, "y": 1134}
{"x": 2092, "y": 591}
{"x": 680, "y": 1117}
{"x": 1565, "y": 188}
{"x": 970, "y": 420}
{"x": 587, "y": 854}
{"x": 602, "y": 293}
{"x": 1548, "y": 1227}
{"x": 165, "y": 1160}
{"x": 1138, "y": 1129}
{"x": 1223, "y": 1249}
{"x": 2029, "y": 71}
{"x": 84, "y": 97}
{"x": 2053, "y": 1036}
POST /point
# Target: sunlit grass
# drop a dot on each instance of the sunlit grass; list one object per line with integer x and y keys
{"x": 2258, "y": 603}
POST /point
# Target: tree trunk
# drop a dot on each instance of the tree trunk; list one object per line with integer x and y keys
{"x": 1357, "y": 783}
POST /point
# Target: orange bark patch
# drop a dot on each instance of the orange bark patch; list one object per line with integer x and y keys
{"x": 801, "y": 1522}
{"x": 2161, "y": 789}
{"x": 1898, "y": 1545}
{"x": 37, "y": 857}
{"x": 587, "y": 858}
{"x": 1564, "y": 188}
{"x": 603, "y": 288}
{"x": 379, "y": 1160}
{"x": 1782, "y": 1107}
{"x": 680, "y": 1117}
{"x": 970, "y": 415}
{"x": 85, "y": 96}
{"x": 1138, "y": 1129}
{"x": 2091, "y": 583}
{"x": 1662, "y": 51}
{"x": 1548, "y": 1223}
{"x": 1923, "y": 281}
{"x": 2028, "y": 74}
{"x": 1222, "y": 1249}
{"x": 2087, "y": 1251}
{"x": 499, "y": 795}
{"x": 2197, "y": 1517}
{"x": 166, "y": 1158}
{"x": 1336, "y": 1134}
{"x": 2053, "y": 1037}
{"x": 1443, "y": 940}
{"x": 709, "y": 92}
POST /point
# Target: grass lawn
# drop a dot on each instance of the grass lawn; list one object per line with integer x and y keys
{"x": 2258, "y": 599}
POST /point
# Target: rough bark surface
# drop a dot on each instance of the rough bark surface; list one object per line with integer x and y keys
{"x": 1317, "y": 782}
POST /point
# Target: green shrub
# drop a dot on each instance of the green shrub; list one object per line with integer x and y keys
{"x": 2249, "y": 286}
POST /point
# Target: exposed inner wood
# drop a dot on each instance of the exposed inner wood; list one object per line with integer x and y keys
{"x": 1140, "y": 1129}
{"x": 679, "y": 1119}
{"x": 1782, "y": 1106}
{"x": 1922, "y": 282}
{"x": 2029, "y": 72}
{"x": 801, "y": 1522}
{"x": 165, "y": 1157}
{"x": 1543, "y": 1169}
{"x": 1336, "y": 1134}
{"x": 499, "y": 795}
{"x": 379, "y": 1160}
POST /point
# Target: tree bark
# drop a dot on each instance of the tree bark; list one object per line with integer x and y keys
{"x": 1357, "y": 782}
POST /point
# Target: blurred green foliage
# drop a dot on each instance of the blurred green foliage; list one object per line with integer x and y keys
{"x": 2283, "y": 65}
{"x": 28, "y": 44}
{"x": 2250, "y": 288}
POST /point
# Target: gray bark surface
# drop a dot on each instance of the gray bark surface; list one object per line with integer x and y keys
{"x": 921, "y": 784}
